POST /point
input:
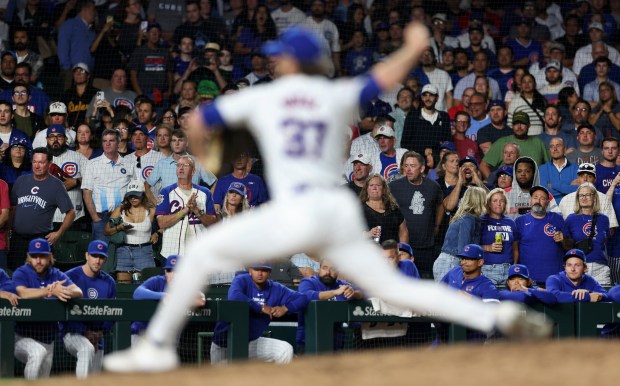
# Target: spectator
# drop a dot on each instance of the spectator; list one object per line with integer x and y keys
{"x": 586, "y": 151}
{"x": 406, "y": 266}
{"x": 383, "y": 217}
{"x": 505, "y": 72}
{"x": 589, "y": 229}
{"x": 496, "y": 129}
{"x": 480, "y": 68}
{"x": 387, "y": 162}
{"x": 426, "y": 127}
{"x": 147, "y": 115}
{"x": 588, "y": 72}
{"x": 236, "y": 201}
{"x": 580, "y": 114}
{"x": 24, "y": 53}
{"x": 529, "y": 146}
{"x": 439, "y": 78}
{"x": 208, "y": 72}
{"x": 606, "y": 113}
{"x": 8, "y": 61}
{"x": 24, "y": 120}
{"x": 151, "y": 68}
{"x": 553, "y": 122}
{"x": 440, "y": 39}
{"x": 503, "y": 177}
{"x": 362, "y": 167}
{"x": 553, "y": 82}
{"x": 130, "y": 16}
{"x": 116, "y": 95}
{"x": 465, "y": 147}
{"x": 286, "y": 16}
{"x": 498, "y": 238}
{"x": 541, "y": 241}
{"x": 85, "y": 340}
{"x": 511, "y": 154}
{"x": 143, "y": 158}
{"x": 78, "y": 97}
{"x": 613, "y": 245}
{"x": 447, "y": 171}
{"x": 520, "y": 288}
{"x": 164, "y": 173}
{"x": 75, "y": 38}
{"x": 39, "y": 279}
{"x": 185, "y": 209}
{"x": 256, "y": 189}
{"x": 526, "y": 50}
{"x": 606, "y": 169}
{"x": 583, "y": 55}
{"x": 260, "y": 30}
{"x": 189, "y": 96}
{"x": 134, "y": 217}
{"x": 461, "y": 67}
{"x": 359, "y": 58}
{"x": 566, "y": 100}
{"x": 602, "y": 67}
{"x": 531, "y": 102}
{"x": 573, "y": 39}
{"x": 325, "y": 285}
{"x": 169, "y": 13}
{"x": 16, "y": 161}
{"x": 366, "y": 143}
{"x": 163, "y": 135}
{"x": 194, "y": 26}
{"x": 85, "y": 142}
{"x": 558, "y": 174}
{"x": 327, "y": 32}
{"x": 566, "y": 76}
{"x": 475, "y": 41}
{"x": 58, "y": 116}
{"x": 7, "y": 131}
{"x": 420, "y": 202}
{"x": 104, "y": 182}
{"x": 464, "y": 229}
{"x": 478, "y": 112}
{"x": 68, "y": 166}
{"x": 573, "y": 284}
{"x": 404, "y": 105}
{"x": 34, "y": 200}
{"x": 39, "y": 101}
{"x": 469, "y": 176}
{"x": 267, "y": 300}
{"x": 515, "y": 88}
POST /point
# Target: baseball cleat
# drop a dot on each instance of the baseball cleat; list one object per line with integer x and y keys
{"x": 516, "y": 321}
{"x": 144, "y": 357}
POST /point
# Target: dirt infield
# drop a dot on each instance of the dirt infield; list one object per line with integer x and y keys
{"x": 563, "y": 363}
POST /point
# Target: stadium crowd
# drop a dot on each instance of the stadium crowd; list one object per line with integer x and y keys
{"x": 495, "y": 163}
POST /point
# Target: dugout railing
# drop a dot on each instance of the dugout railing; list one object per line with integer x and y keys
{"x": 120, "y": 311}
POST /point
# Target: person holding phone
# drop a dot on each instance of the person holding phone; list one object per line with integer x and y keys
{"x": 137, "y": 214}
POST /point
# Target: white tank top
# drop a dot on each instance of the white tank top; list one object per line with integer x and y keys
{"x": 141, "y": 231}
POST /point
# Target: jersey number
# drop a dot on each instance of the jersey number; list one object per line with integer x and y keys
{"x": 304, "y": 138}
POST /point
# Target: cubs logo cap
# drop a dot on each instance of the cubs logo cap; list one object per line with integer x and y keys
{"x": 58, "y": 108}
{"x": 405, "y": 248}
{"x": 56, "y": 129}
{"x": 471, "y": 251}
{"x": 98, "y": 248}
{"x": 261, "y": 265}
{"x": 39, "y": 247}
{"x": 299, "y": 43}
{"x": 448, "y": 145}
{"x": 135, "y": 188}
{"x": 578, "y": 253}
{"x": 466, "y": 159}
{"x": 237, "y": 187}
{"x": 506, "y": 169}
{"x": 171, "y": 261}
{"x": 140, "y": 128}
{"x": 385, "y": 131}
{"x": 363, "y": 158}
{"x": 518, "y": 270}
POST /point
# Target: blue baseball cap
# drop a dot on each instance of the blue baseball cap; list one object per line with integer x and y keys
{"x": 171, "y": 261}
{"x": 237, "y": 187}
{"x": 39, "y": 247}
{"x": 298, "y": 43}
{"x": 56, "y": 129}
{"x": 261, "y": 265}
{"x": 19, "y": 141}
{"x": 471, "y": 251}
{"x": 506, "y": 169}
{"x": 98, "y": 248}
{"x": 405, "y": 248}
{"x": 497, "y": 102}
{"x": 473, "y": 160}
{"x": 447, "y": 145}
{"x": 141, "y": 128}
{"x": 578, "y": 253}
{"x": 518, "y": 270}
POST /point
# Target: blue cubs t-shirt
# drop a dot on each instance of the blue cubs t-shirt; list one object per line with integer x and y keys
{"x": 506, "y": 227}
{"x": 579, "y": 228}
{"x": 604, "y": 176}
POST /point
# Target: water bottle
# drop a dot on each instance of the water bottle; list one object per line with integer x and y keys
{"x": 376, "y": 239}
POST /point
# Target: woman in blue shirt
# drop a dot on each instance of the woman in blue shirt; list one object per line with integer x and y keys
{"x": 579, "y": 225}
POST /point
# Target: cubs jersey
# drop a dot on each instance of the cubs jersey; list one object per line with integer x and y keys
{"x": 299, "y": 123}
{"x": 72, "y": 164}
{"x": 144, "y": 165}
{"x": 171, "y": 200}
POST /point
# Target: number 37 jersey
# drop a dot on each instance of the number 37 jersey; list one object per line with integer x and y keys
{"x": 299, "y": 123}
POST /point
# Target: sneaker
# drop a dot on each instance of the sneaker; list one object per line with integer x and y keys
{"x": 516, "y": 321}
{"x": 144, "y": 357}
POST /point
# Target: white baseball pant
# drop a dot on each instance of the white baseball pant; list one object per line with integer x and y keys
{"x": 37, "y": 356}
{"x": 265, "y": 349}
{"x": 89, "y": 357}
{"x": 322, "y": 221}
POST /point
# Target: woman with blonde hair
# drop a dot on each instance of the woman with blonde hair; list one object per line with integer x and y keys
{"x": 384, "y": 219}
{"x": 235, "y": 200}
{"x": 464, "y": 229}
{"x": 589, "y": 229}
{"x": 497, "y": 238}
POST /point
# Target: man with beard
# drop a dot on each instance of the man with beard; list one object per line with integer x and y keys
{"x": 555, "y": 82}
{"x": 362, "y": 167}
{"x": 39, "y": 279}
{"x": 461, "y": 65}
{"x": 558, "y": 175}
{"x": 553, "y": 121}
{"x": 427, "y": 127}
{"x": 21, "y": 44}
{"x": 488, "y": 134}
{"x": 541, "y": 242}
{"x": 327, "y": 33}
{"x": 8, "y": 62}
{"x": 531, "y": 147}
{"x": 67, "y": 166}
{"x": 469, "y": 175}
{"x": 256, "y": 189}
{"x": 437, "y": 77}
{"x": 325, "y": 285}
{"x": 78, "y": 97}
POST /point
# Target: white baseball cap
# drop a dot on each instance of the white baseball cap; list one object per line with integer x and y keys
{"x": 431, "y": 88}
{"x": 385, "y": 131}
{"x": 363, "y": 158}
{"x": 58, "y": 108}
{"x": 82, "y": 66}
{"x": 135, "y": 188}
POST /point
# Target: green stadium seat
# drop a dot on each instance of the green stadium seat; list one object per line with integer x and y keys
{"x": 150, "y": 272}
{"x": 70, "y": 248}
